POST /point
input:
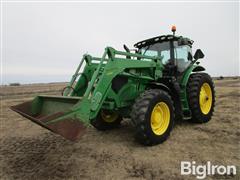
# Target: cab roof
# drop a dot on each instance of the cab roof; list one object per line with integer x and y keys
{"x": 163, "y": 38}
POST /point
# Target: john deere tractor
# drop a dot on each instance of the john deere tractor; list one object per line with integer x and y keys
{"x": 155, "y": 84}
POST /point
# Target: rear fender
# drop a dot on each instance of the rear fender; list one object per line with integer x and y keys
{"x": 184, "y": 81}
{"x": 188, "y": 72}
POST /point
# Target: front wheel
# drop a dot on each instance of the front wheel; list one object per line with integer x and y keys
{"x": 106, "y": 120}
{"x": 152, "y": 116}
{"x": 201, "y": 97}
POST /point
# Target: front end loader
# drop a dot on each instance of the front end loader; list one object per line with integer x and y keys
{"x": 157, "y": 84}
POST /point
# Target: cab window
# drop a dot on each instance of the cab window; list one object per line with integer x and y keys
{"x": 183, "y": 57}
{"x": 166, "y": 56}
{"x": 150, "y": 53}
{"x": 183, "y": 52}
{"x": 158, "y": 49}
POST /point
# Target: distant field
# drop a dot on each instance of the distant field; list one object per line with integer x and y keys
{"x": 28, "y": 151}
{"x": 29, "y": 90}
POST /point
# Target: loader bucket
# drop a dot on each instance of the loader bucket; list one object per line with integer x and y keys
{"x": 46, "y": 110}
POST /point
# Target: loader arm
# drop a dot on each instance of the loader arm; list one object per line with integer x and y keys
{"x": 100, "y": 83}
{"x": 69, "y": 115}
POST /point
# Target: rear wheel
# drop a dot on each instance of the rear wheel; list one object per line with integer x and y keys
{"x": 152, "y": 116}
{"x": 201, "y": 97}
{"x": 106, "y": 120}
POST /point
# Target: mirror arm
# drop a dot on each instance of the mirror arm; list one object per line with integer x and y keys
{"x": 195, "y": 60}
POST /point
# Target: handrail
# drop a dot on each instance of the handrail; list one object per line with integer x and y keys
{"x": 98, "y": 59}
{"x": 74, "y": 77}
{"x": 111, "y": 52}
{"x": 135, "y": 55}
{"x": 95, "y": 75}
{"x": 115, "y": 52}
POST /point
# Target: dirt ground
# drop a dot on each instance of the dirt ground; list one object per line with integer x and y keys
{"x": 28, "y": 151}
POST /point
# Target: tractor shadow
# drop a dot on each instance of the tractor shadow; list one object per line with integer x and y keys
{"x": 122, "y": 135}
{"x": 125, "y": 134}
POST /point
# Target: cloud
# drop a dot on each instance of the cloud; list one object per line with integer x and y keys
{"x": 50, "y": 38}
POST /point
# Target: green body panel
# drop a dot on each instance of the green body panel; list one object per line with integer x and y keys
{"x": 183, "y": 84}
{"x": 186, "y": 75}
{"x": 92, "y": 90}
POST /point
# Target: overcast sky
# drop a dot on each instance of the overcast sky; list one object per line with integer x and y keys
{"x": 44, "y": 42}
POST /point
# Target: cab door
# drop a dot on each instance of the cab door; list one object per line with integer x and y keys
{"x": 183, "y": 57}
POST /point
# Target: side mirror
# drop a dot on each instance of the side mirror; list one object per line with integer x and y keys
{"x": 198, "y": 54}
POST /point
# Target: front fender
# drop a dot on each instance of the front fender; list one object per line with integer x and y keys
{"x": 198, "y": 69}
{"x": 188, "y": 72}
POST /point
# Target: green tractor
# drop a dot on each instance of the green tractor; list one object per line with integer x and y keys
{"x": 155, "y": 84}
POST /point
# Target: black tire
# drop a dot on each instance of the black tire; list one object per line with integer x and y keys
{"x": 100, "y": 124}
{"x": 141, "y": 116}
{"x": 195, "y": 82}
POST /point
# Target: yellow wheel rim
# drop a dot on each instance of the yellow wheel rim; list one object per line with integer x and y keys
{"x": 109, "y": 116}
{"x": 205, "y": 98}
{"x": 160, "y": 118}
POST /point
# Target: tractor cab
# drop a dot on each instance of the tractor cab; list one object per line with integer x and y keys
{"x": 176, "y": 51}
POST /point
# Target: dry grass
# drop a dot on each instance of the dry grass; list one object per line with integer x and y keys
{"x": 28, "y": 151}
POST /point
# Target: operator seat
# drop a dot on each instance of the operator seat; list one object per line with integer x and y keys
{"x": 182, "y": 64}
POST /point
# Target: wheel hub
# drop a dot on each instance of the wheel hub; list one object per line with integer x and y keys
{"x": 109, "y": 116}
{"x": 205, "y": 98}
{"x": 160, "y": 118}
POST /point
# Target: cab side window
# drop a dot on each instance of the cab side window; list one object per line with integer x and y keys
{"x": 183, "y": 52}
{"x": 183, "y": 57}
{"x": 151, "y": 53}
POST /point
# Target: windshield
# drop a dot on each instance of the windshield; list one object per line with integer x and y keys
{"x": 158, "y": 49}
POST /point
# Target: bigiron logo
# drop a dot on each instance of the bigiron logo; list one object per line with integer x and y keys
{"x": 203, "y": 170}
